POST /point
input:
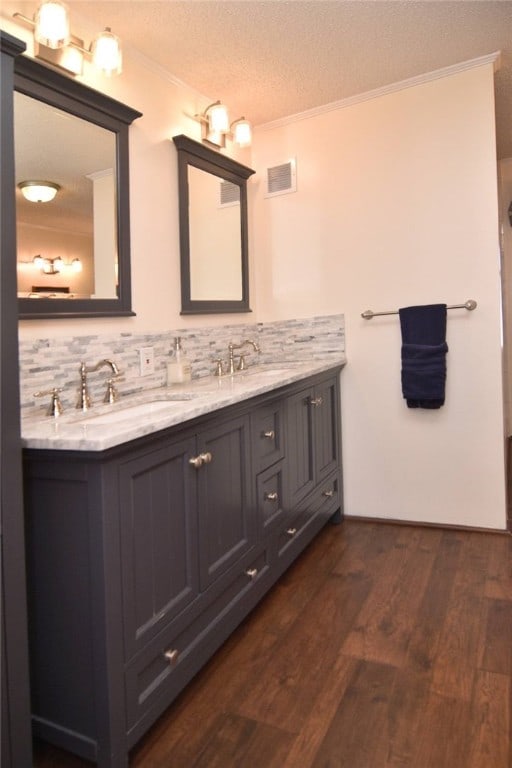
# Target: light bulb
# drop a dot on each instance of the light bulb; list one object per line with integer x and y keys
{"x": 242, "y": 133}
{"x": 52, "y": 24}
{"x": 218, "y": 118}
{"x": 106, "y": 53}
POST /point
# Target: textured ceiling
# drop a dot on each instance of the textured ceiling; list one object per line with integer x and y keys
{"x": 267, "y": 60}
{"x": 274, "y": 58}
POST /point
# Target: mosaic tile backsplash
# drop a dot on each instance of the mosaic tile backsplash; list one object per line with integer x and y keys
{"x": 47, "y": 363}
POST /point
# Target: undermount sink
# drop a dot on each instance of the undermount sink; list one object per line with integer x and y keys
{"x": 152, "y": 408}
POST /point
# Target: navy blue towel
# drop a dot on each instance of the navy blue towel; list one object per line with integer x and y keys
{"x": 424, "y": 351}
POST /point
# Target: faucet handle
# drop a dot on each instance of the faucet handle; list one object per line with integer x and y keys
{"x": 219, "y": 366}
{"x": 112, "y": 395}
{"x": 55, "y": 408}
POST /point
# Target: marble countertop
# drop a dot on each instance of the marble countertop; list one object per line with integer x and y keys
{"x": 134, "y": 416}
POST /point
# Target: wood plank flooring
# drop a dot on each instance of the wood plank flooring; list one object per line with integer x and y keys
{"x": 383, "y": 647}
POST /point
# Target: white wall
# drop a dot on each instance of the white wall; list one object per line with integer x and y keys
{"x": 506, "y": 273}
{"x": 397, "y": 205}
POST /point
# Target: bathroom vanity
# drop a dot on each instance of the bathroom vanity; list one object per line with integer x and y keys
{"x": 143, "y": 556}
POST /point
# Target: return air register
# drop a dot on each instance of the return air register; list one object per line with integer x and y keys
{"x": 229, "y": 194}
{"x": 282, "y": 178}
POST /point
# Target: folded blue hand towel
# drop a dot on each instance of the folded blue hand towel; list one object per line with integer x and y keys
{"x": 424, "y": 351}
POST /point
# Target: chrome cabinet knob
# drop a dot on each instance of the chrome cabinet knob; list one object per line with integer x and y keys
{"x": 271, "y": 496}
{"x": 291, "y": 531}
{"x": 316, "y": 401}
{"x": 172, "y": 657}
{"x": 251, "y": 573}
{"x": 269, "y": 434}
{"x": 203, "y": 458}
{"x": 328, "y": 494}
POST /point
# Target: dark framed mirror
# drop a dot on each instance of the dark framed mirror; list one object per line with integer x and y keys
{"x": 73, "y": 252}
{"x": 213, "y": 230}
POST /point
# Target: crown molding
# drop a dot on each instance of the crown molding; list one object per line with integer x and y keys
{"x": 411, "y": 82}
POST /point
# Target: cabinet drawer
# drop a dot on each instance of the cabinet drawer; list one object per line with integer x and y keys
{"x": 323, "y": 501}
{"x": 269, "y": 493}
{"x": 267, "y": 428}
{"x": 161, "y": 670}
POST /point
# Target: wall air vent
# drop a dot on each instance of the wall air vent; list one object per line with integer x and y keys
{"x": 229, "y": 194}
{"x": 282, "y": 178}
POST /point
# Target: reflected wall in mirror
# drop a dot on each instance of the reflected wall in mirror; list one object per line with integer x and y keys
{"x": 213, "y": 230}
{"x": 73, "y": 252}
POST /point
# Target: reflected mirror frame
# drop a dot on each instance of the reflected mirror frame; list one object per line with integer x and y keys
{"x": 46, "y": 85}
{"x": 191, "y": 152}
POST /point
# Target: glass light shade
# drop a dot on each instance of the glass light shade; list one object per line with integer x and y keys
{"x": 57, "y": 264}
{"x": 106, "y": 53}
{"x": 76, "y": 265}
{"x": 52, "y": 24}
{"x": 38, "y": 191}
{"x": 242, "y": 132}
{"x": 218, "y": 117}
{"x": 38, "y": 261}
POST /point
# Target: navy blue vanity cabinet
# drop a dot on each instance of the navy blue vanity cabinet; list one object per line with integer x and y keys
{"x": 268, "y": 440}
{"x": 226, "y": 520}
{"x": 158, "y": 535}
{"x": 143, "y": 558}
{"x": 314, "y": 491}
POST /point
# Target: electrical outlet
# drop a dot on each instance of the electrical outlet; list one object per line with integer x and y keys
{"x": 146, "y": 361}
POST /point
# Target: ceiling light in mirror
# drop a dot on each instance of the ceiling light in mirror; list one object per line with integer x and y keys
{"x": 38, "y": 191}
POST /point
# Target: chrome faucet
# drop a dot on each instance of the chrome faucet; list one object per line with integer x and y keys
{"x": 84, "y": 400}
{"x": 241, "y": 361}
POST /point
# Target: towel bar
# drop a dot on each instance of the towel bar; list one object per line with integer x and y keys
{"x": 470, "y": 304}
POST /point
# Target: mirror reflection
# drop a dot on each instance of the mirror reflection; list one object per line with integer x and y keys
{"x": 213, "y": 230}
{"x": 67, "y": 247}
{"x": 214, "y": 213}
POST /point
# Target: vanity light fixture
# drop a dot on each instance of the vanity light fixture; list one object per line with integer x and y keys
{"x": 38, "y": 191}
{"x": 54, "y": 43}
{"x": 215, "y": 126}
{"x": 55, "y": 266}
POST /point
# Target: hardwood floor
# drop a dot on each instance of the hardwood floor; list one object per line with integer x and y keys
{"x": 383, "y": 647}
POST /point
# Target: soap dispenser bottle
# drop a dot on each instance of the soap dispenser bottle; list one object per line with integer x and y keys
{"x": 178, "y": 370}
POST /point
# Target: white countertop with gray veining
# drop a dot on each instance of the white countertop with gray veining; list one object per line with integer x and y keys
{"x": 134, "y": 416}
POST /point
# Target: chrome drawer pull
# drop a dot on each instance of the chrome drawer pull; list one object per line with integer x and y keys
{"x": 316, "y": 400}
{"x": 251, "y": 573}
{"x": 291, "y": 531}
{"x": 271, "y": 496}
{"x": 270, "y": 434}
{"x": 172, "y": 657}
{"x": 206, "y": 457}
{"x": 329, "y": 494}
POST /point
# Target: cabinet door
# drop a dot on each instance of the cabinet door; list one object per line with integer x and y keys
{"x": 159, "y": 533}
{"x": 226, "y": 526}
{"x": 326, "y": 428}
{"x": 300, "y": 443}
